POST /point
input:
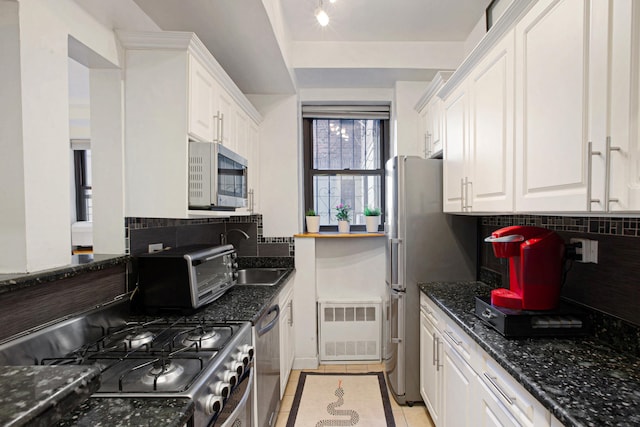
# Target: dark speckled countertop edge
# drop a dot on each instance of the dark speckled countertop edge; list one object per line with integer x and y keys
{"x": 70, "y": 386}
{"x": 80, "y": 264}
{"x": 572, "y": 413}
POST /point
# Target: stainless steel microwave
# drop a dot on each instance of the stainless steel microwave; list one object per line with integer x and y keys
{"x": 217, "y": 177}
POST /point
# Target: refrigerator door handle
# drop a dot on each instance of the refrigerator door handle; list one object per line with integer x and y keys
{"x": 394, "y": 261}
{"x": 398, "y": 339}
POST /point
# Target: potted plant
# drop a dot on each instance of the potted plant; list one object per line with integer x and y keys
{"x": 313, "y": 221}
{"x": 342, "y": 216}
{"x": 372, "y": 218}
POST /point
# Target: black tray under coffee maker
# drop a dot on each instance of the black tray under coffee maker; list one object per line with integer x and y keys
{"x": 565, "y": 320}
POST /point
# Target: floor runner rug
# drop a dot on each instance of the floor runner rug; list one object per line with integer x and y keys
{"x": 341, "y": 399}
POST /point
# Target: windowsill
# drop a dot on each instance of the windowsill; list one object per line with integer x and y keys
{"x": 336, "y": 235}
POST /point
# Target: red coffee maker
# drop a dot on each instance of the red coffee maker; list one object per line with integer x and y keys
{"x": 536, "y": 257}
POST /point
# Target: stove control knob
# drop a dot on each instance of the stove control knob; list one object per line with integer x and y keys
{"x": 213, "y": 404}
{"x": 221, "y": 388}
{"x": 247, "y": 349}
{"x": 230, "y": 377}
{"x": 236, "y": 366}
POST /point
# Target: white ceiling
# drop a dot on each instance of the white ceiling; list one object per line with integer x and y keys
{"x": 253, "y": 40}
{"x": 384, "y": 20}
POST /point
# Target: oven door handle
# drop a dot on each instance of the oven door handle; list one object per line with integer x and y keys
{"x": 274, "y": 322}
{"x": 242, "y": 404}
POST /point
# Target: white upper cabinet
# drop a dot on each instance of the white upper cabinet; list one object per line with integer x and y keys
{"x": 623, "y": 146}
{"x": 491, "y": 139}
{"x": 429, "y": 109}
{"x": 455, "y": 150}
{"x": 543, "y": 115}
{"x": 552, "y": 98}
{"x": 175, "y": 91}
{"x": 202, "y": 92}
{"x": 478, "y": 136}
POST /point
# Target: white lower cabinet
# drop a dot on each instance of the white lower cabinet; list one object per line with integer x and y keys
{"x": 463, "y": 386}
{"x": 458, "y": 398}
{"x": 430, "y": 368}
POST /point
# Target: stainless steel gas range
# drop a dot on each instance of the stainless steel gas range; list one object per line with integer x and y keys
{"x": 174, "y": 356}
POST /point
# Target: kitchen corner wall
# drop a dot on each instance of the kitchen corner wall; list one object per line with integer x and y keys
{"x": 611, "y": 287}
{"x": 141, "y": 232}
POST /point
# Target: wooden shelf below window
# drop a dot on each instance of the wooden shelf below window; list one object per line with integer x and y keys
{"x": 336, "y": 235}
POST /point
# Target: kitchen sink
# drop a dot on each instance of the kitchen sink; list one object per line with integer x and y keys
{"x": 260, "y": 276}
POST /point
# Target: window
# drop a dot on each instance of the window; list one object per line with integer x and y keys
{"x": 82, "y": 173}
{"x": 344, "y": 163}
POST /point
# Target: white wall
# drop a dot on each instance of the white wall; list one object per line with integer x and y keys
{"x": 407, "y": 141}
{"x": 35, "y": 208}
{"x": 13, "y": 251}
{"x": 350, "y": 269}
{"x": 476, "y": 34}
{"x": 279, "y": 159}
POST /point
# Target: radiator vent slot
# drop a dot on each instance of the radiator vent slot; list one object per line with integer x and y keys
{"x": 349, "y": 330}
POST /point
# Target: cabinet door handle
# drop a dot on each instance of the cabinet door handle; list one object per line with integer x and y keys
{"x": 607, "y": 176}
{"x": 495, "y": 385}
{"x": 426, "y": 144}
{"x": 462, "y": 194}
{"x": 290, "y": 313}
{"x": 438, "y": 365}
{"x": 590, "y": 175}
{"x": 434, "y": 349}
{"x": 452, "y": 338}
{"x": 468, "y": 184}
{"x": 222, "y": 127}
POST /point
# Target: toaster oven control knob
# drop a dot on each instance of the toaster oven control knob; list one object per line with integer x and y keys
{"x": 221, "y": 389}
{"x": 213, "y": 404}
{"x": 230, "y": 377}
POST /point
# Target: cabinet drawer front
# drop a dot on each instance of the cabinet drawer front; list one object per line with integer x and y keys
{"x": 492, "y": 410}
{"x": 431, "y": 312}
{"x": 461, "y": 342}
{"x": 524, "y": 407}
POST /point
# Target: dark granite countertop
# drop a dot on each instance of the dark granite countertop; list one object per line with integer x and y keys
{"x": 42, "y": 395}
{"x": 130, "y": 412}
{"x": 580, "y": 380}
{"x": 243, "y": 302}
{"x": 79, "y": 264}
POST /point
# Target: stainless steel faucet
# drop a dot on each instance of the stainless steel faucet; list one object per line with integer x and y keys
{"x": 223, "y": 236}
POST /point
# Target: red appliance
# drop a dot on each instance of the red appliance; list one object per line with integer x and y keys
{"x": 536, "y": 257}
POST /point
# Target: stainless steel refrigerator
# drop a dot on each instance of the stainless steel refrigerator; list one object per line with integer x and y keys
{"x": 423, "y": 245}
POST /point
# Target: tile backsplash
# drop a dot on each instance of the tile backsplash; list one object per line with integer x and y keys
{"x": 141, "y": 232}
{"x": 611, "y": 288}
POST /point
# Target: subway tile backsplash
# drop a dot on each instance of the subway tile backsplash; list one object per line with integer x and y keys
{"x": 140, "y": 232}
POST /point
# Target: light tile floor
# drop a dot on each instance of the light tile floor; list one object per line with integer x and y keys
{"x": 405, "y": 416}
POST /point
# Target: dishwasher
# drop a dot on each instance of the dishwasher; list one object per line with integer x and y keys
{"x": 267, "y": 360}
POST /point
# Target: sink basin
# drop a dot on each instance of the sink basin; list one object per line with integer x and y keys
{"x": 260, "y": 276}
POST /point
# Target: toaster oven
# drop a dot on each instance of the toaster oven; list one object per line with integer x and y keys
{"x": 186, "y": 277}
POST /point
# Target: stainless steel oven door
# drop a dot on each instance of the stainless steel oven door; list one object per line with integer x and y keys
{"x": 237, "y": 411}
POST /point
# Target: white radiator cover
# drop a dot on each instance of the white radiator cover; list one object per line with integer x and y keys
{"x": 349, "y": 330}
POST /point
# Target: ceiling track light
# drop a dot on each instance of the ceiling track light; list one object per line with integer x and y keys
{"x": 321, "y": 15}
